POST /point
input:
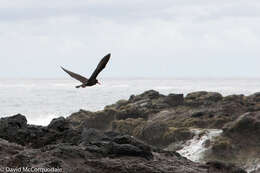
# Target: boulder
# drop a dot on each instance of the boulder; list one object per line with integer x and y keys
{"x": 99, "y": 120}
{"x": 16, "y": 121}
{"x": 14, "y": 129}
{"x": 244, "y": 127}
{"x": 59, "y": 124}
{"x": 174, "y": 99}
{"x": 132, "y": 111}
{"x": 202, "y": 98}
{"x": 254, "y": 97}
{"x": 150, "y": 94}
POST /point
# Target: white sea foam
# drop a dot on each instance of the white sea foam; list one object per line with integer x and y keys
{"x": 252, "y": 165}
{"x": 194, "y": 149}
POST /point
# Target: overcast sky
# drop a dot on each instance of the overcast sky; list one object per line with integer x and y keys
{"x": 147, "y": 38}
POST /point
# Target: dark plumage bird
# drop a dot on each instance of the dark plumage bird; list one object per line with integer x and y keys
{"x": 92, "y": 80}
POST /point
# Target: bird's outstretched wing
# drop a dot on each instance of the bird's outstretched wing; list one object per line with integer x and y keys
{"x": 101, "y": 65}
{"x": 76, "y": 76}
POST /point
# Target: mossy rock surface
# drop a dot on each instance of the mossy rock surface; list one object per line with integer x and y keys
{"x": 177, "y": 134}
{"x": 99, "y": 120}
{"x": 127, "y": 126}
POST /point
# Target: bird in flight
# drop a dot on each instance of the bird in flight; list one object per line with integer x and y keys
{"x": 92, "y": 80}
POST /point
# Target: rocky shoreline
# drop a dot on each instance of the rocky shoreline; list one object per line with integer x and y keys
{"x": 134, "y": 135}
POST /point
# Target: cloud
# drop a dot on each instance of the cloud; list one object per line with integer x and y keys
{"x": 171, "y": 38}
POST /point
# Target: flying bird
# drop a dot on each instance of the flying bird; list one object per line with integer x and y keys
{"x": 92, "y": 80}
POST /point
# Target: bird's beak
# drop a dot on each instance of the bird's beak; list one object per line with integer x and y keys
{"x": 99, "y": 83}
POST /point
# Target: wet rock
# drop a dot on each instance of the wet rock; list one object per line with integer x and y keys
{"x": 206, "y": 144}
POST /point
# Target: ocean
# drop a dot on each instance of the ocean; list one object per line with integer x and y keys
{"x": 41, "y": 100}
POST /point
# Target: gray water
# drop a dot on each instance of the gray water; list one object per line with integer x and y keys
{"x": 44, "y": 99}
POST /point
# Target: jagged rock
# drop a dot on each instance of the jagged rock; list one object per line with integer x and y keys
{"x": 157, "y": 119}
{"x": 124, "y": 154}
{"x": 15, "y": 129}
{"x": 17, "y": 121}
{"x": 59, "y": 124}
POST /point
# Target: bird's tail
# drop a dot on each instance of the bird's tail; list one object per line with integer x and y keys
{"x": 78, "y": 86}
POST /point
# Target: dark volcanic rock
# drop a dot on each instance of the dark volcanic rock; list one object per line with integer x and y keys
{"x": 102, "y": 141}
{"x": 91, "y": 135}
{"x": 59, "y": 124}
{"x": 216, "y": 166}
{"x": 15, "y": 129}
{"x": 122, "y": 158}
